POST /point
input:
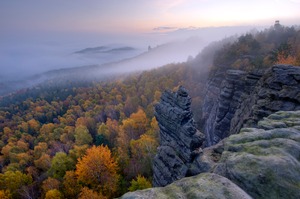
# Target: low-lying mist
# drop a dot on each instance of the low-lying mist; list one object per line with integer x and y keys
{"x": 25, "y": 59}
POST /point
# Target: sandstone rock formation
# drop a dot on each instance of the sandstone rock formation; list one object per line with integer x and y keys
{"x": 258, "y": 163}
{"x": 179, "y": 139}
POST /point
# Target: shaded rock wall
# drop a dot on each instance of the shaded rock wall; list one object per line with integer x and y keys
{"x": 179, "y": 139}
{"x": 224, "y": 94}
{"x": 241, "y": 99}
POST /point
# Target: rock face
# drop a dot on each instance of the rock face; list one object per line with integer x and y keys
{"x": 241, "y": 99}
{"x": 179, "y": 139}
{"x": 261, "y": 162}
{"x": 277, "y": 90}
{"x": 206, "y": 185}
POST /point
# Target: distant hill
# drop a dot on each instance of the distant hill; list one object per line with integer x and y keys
{"x": 105, "y": 49}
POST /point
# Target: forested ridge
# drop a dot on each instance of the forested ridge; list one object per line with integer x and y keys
{"x": 98, "y": 139}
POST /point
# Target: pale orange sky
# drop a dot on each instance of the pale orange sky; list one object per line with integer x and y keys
{"x": 142, "y": 15}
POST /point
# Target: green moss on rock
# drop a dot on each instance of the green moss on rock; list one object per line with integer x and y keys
{"x": 207, "y": 185}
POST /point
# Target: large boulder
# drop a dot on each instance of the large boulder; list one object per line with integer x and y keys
{"x": 207, "y": 185}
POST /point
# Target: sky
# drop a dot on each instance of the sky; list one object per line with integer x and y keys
{"x": 141, "y": 15}
{"x": 41, "y": 35}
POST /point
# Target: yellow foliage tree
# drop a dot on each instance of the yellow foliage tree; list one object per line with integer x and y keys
{"x": 98, "y": 170}
{"x": 13, "y": 181}
{"x": 53, "y": 194}
{"x": 142, "y": 152}
{"x": 139, "y": 184}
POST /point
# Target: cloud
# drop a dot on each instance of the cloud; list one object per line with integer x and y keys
{"x": 164, "y": 28}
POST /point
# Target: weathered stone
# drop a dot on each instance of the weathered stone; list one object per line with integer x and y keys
{"x": 207, "y": 185}
{"x": 206, "y": 159}
{"x": 179, "y": 139}
{"x": 265, "y": 163}
{"x": 167, "y": 166}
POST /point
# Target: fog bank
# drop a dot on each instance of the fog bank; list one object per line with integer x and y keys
{"x": 25, "y": 56}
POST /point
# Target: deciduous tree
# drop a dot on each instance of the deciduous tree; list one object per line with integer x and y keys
{"x": 60, "y": 164}
{"x": 139, "y": 184}
{"x": 82, "y": 136}
{"x": 71, "y": 187}
{"x": 98, "y": 170}
{"x": 87, "y": 193}
{"x": 53, "y": 194}
{"x": 13, "y": 181}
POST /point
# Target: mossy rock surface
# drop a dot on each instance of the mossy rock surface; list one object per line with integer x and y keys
{"x": 265, "y": 163}
{"x": 206, "y": 185}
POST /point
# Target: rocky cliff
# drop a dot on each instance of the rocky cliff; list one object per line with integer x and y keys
{"x": 179, "y": 139}
{"x": 261, "y": 162}
{"x": 238, "y": 99}
{"x": 234, "y": 100}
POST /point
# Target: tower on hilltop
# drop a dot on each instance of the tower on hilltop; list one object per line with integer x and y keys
{"x": 277, "y": 25}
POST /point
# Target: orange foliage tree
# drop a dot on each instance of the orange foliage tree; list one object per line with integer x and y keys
{"x": 286, "y": 59}
{"x": 98, "y": 170}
